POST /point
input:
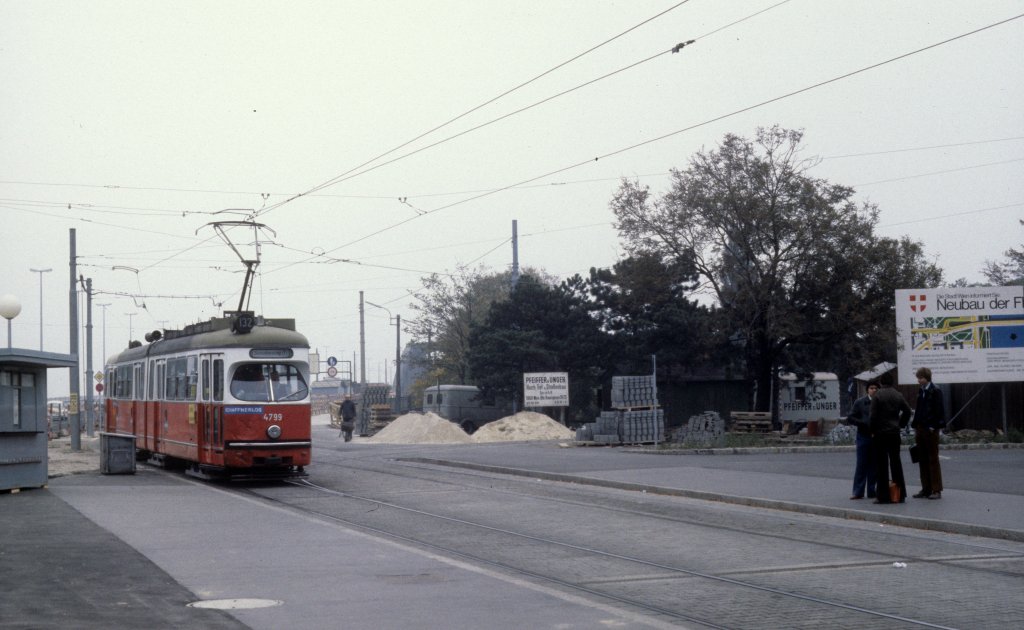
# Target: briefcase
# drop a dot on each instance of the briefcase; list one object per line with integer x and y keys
{"x": 915, "y": 453}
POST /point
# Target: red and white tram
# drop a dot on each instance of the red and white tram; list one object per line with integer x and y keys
{"x": 227, "y": 398}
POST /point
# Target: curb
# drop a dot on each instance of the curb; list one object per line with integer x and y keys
{"x": 837, "y": 448}
{"x": 948, "y": 527}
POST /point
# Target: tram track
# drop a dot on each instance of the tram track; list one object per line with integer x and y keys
{"x": 594, "y": 587}
{"x": 1000, "y": 553}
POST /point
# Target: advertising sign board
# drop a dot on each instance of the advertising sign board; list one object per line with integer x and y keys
{"x": 964, "y": 334}
{"x": 546, "y": 389}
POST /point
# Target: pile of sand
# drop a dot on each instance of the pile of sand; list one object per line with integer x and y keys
{"x": 421, "y": 428}
{"x": 525, "y": 425}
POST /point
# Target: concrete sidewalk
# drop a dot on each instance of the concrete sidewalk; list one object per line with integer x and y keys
{"x": 95, "y": 552}
{"x": 984, "y": 495}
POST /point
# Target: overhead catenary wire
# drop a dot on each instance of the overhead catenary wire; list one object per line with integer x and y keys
{"x": 690, "y": 127}
{"x": 943, "y": 172}
{"x": 90, "y": 207}
{"x": 337, "y": 178}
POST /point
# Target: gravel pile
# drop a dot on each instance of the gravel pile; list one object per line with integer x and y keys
{"x": 64, "y": 461}
{"x": 421, "y": 428}
{"x": 525, "y": 425}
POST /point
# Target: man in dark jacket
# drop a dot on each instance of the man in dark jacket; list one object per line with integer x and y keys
{"x": 929, "y": 418}
{"x": 864, "y": 473}
{"x": 889, "y": 414}
{"x": 347, "y": 411}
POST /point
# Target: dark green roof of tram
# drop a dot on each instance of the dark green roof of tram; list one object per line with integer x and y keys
{"x": 217, "y": 333}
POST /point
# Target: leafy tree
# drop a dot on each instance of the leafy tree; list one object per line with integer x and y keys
{"x": 1007, "y": 272}
{"x": 539, "y": 328}
{"x": 448, "y": 306}
{"x": 791, "y": 259}
{"x": 644, "y": 303}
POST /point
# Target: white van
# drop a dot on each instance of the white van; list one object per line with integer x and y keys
{"x": 463, "y": 405}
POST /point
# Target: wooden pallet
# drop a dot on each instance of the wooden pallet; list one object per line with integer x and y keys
{"x": 750, "y": 421}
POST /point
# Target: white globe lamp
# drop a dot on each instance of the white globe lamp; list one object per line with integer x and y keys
{"x": 10, "y": 306}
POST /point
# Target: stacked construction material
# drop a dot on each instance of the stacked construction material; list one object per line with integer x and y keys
{"x": 374, "y": 409}
{"x": 633, "y": 391}
{"x": 642, "y": 425}
{"x": 606, "y": 428}
{"x": 705, "y": 430}
{"x": 635, "y": 417}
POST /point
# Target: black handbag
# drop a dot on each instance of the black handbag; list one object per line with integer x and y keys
{"x": 915, "y": 454}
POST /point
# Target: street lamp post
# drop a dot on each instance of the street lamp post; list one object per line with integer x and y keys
{"x": 40, "y": 272}
{"x": 10, "y": 306}
{"x": 130, "y": 316}
{"x": 398, "y": 355}
{"x": 103, "y": 406}
{"x": 104, "y": 307}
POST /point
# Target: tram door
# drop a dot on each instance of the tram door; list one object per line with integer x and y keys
{"x": 211, "y": 398}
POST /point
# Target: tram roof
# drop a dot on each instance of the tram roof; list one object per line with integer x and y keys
{"x": 217, "y": 333}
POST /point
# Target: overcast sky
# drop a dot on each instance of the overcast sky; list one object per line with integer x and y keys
{"x": 135, "y": 122}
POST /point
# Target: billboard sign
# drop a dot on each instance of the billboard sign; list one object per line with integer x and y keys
{"x": 964, "y": 334}
{"x": 546, "y": 389}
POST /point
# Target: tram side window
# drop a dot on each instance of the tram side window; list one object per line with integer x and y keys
{"x": 140, "y": 388}
{"x": 205, "y": 370}
{"x": 152, "y": 380}
{"x": 193, "y": 378}
{"x": 123, "y": 382}
{"x": 161, "y": 368}
{"x": 218, "y": 379}
{"x": 176, "y": 379}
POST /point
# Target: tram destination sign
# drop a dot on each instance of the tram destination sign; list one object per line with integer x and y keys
{"x": 546, "y": 389}
{"x": 964, "y": 334}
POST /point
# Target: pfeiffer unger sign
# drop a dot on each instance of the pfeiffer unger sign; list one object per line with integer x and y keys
{"x": 546, "y": 389}
{"x": 965, "y": 335}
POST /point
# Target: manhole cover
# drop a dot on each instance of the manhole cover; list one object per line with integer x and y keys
{"x": 235, "y": 604}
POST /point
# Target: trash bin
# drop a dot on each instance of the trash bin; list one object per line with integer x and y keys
{"x": 117, "y": 454}
{"x": 814, "y": 428}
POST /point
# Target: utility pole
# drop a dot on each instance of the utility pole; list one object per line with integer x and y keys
{"x": 103, "y": 358}
{"x": 75, "y": 371}
{"x": 398, "y": 355}
{"x": 104, "y": 307}
{"x": 398, "y": 364}
{"x": 515, "y": 253}
{"x": 90, "y": 419}
{"x": 40, "y": 272}
{"x": 362, "y": 345}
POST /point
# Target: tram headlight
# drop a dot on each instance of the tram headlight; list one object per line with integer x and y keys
{"x": 273, "y": 432}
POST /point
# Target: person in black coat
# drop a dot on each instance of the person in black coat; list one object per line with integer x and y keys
{"x": 347, "y": 411}
{"x": 889, "y": 414}
{"x": 929, "y": 418}
{"x": 864, "y": 473}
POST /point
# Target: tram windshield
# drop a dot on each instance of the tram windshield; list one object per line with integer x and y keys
{"x": 268, "y": 382}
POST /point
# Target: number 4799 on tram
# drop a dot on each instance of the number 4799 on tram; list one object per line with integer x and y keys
{"x": 227, "y": 398}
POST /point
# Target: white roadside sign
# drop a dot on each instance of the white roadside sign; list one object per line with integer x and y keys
{"x": 964, "y": 334}
{"x": 546, "y": 389}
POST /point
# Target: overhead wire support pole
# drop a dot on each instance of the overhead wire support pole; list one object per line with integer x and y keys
{"x": 515, "y": 253}
{"x": 90, "y": 418}
{"x": 398, "y": 355}
{"x": 74, "y": 371}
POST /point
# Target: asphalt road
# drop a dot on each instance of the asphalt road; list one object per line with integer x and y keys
{"x": 414, "y": 536}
